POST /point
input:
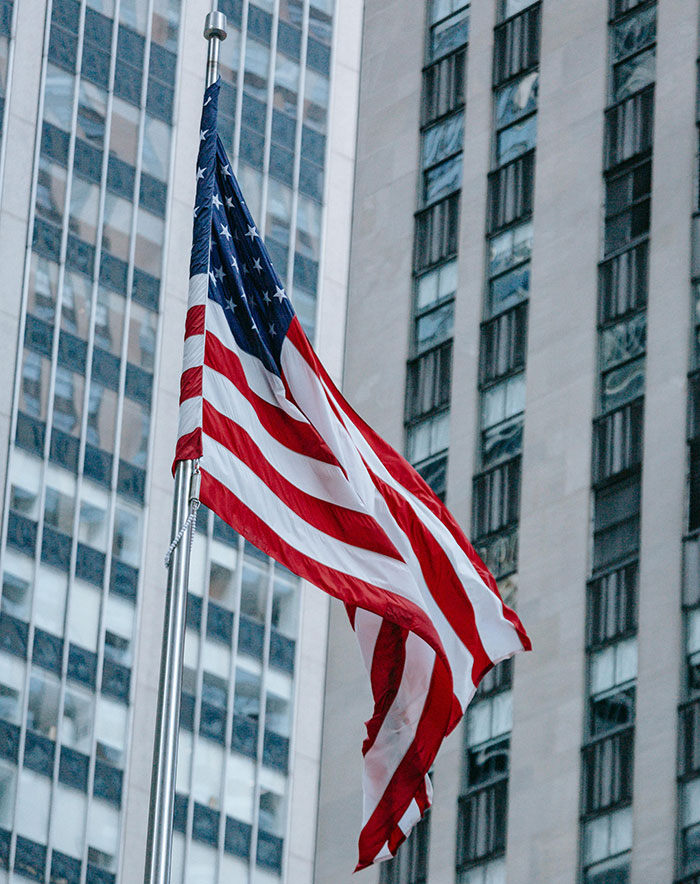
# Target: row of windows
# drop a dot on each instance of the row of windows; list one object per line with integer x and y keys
{"x": 31, "y": 862}
{"x": 612, "y": 593}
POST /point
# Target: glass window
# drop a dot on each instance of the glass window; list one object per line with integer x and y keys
{"x": 428, "y": 437}
{"x": 247, "y": 694}
{"x": 512, "y": 7}
{"x": 623, "y": 341}
{"x": 150, "y": 233}
{"x": 286, "y": 84}
{"x": 156, "y": 147}
{"x": 222, "y": 585}
{"x": 11, "y": 689}
{"x": 272, "y": 812}
{"x": 209, "y": 760}
{"x": 632, "y": 75}
{"x": 257, "y": 62}
{"x": 316, "y": 99}
{"x": 509, "y": 248}
{"x": 613, "y": 666}
{"x": 50, "y": 592}
{"x": 493, "y": 872}
{"x": 83, "y": 615}
{"x": 68, "y": 821}
{"x": 250, "y": 181}
{"x": 516, "y": 140}
{"x": 84, "y": 205}
{"x": 254, "y": 589}
{"x": 92, "y": 526}
{"x": 110, "y": 729}
{"x": 134, "y": 14}
{"x": 128, "y": 528}
{"x": 68, "y": 400}
{"x": 109, "y": 321}
{"x": 36, "y": 371}
{"x": 449, "y": 34}
{"x": 102, "y": 410}
{"x": 136, "y": 425}
{"x": 240, "y": 786}
{"x": 517, "y": 99}
{"x": 42, "y": 707}
{"x": 285, "y": 603}
{"x": 308, "y": 228}
{"x": 503, "y": 401}
{"x": 436, "y": 285}
{"x": 58, "y": 510}
{"x": 8, "y": 778}
{"x": 76, "y": 731}
{"x": 509, "y": 289}
{"x": 50, "y": 190}
{"x": 116, "y": 233}
{"x": 443, "y": 140}
{"x": 634, "y": 33}
{"x": 75, "y": 305}
{"x": 103, "y": 835}
{"x": 606, "y": 837}
{"x": 92, "y": 112}
{"x": 43, "y": 283}
{"x": 58, "y": 97}
{"x": 442, "y": 180}
{"x": 16, "y": 589}
{"x": 622, "y": 385}
{"x": 32, "y": 815}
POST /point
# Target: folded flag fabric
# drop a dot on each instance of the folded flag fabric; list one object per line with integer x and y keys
{"x": 289, "y": 465}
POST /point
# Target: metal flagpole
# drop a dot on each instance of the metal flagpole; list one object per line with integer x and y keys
{"x": 160, "y": 811}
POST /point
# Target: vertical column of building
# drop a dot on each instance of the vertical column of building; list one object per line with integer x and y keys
{"x": 77, "y": 476}
{"x": 611, "y": 623}
{"x": 242, "y": 647}
{"x": 429, "y": 374}
{"x": 483, "y": 807}
{"x": 689, "y": 710}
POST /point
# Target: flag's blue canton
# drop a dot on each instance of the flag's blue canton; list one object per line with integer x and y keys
{"x": 241, "y": 276}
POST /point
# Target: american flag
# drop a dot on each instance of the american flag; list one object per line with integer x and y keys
{"x": 289, "y": 465}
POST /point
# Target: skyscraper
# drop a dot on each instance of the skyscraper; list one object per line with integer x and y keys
{"x": 101, "y": 105}
{"x": 522, "y": 323}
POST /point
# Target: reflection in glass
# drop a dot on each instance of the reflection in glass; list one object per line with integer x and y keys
{"x": 509, "y": 289}
{"x": 50, "y": 190}
{"x": 117, "y": 226}
{"x": 75, "y": 304}
{"x": 443, "y": 139}
{"x": 67, "y": 400}
{"x": 142, "y": 336}
{"x": 43, "y": 281}
{"x": 92, "y": 111}
{"x": 36, "y": 371}
{"x": 631, "y": 76}
{"x": 517, "y": 99}
{"x": 434, "y": 327}
{"x": 450, "y": 34}
{"x": 509, "y": 248}
{"x": 84, "y": 205}
{"x": 442, "y": 180}
{"x": 623, "y": 384}
{"x": 102, "y": 415}
{"x": 136, "y": 426}
{"x": 58, "y": 97}
{"x": 516, "y": 140}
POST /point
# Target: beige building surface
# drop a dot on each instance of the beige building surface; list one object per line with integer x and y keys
{"x": 522, "y": 324}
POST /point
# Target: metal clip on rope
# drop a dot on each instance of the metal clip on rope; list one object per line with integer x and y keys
{"x": 191, "y": 518}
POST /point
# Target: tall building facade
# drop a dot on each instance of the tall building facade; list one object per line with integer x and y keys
{"x": 100, "y": 120}
{"x": 522, "y": 324}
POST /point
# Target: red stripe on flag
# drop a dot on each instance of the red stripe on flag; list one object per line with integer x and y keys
{"x": 409, "y": 776}
{"x": 444, "y": 584}
{"x": 388, "y": 662}
{"x": 191, "y": 383}
{"x": 299, "y": 436}
{"x": 403, "y": 473}
{"x": 349, "y": 526}
{"x": 349, "y": 589}
{"x": 188, "y": 447}
{"x": 194, "y": 323}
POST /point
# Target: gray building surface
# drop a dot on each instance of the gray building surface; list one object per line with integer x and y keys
{"x": 100, "y": 111}
{"x": 523, "y": 324}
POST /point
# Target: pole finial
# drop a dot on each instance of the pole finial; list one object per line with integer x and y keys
{"x": 215, "y": 26}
